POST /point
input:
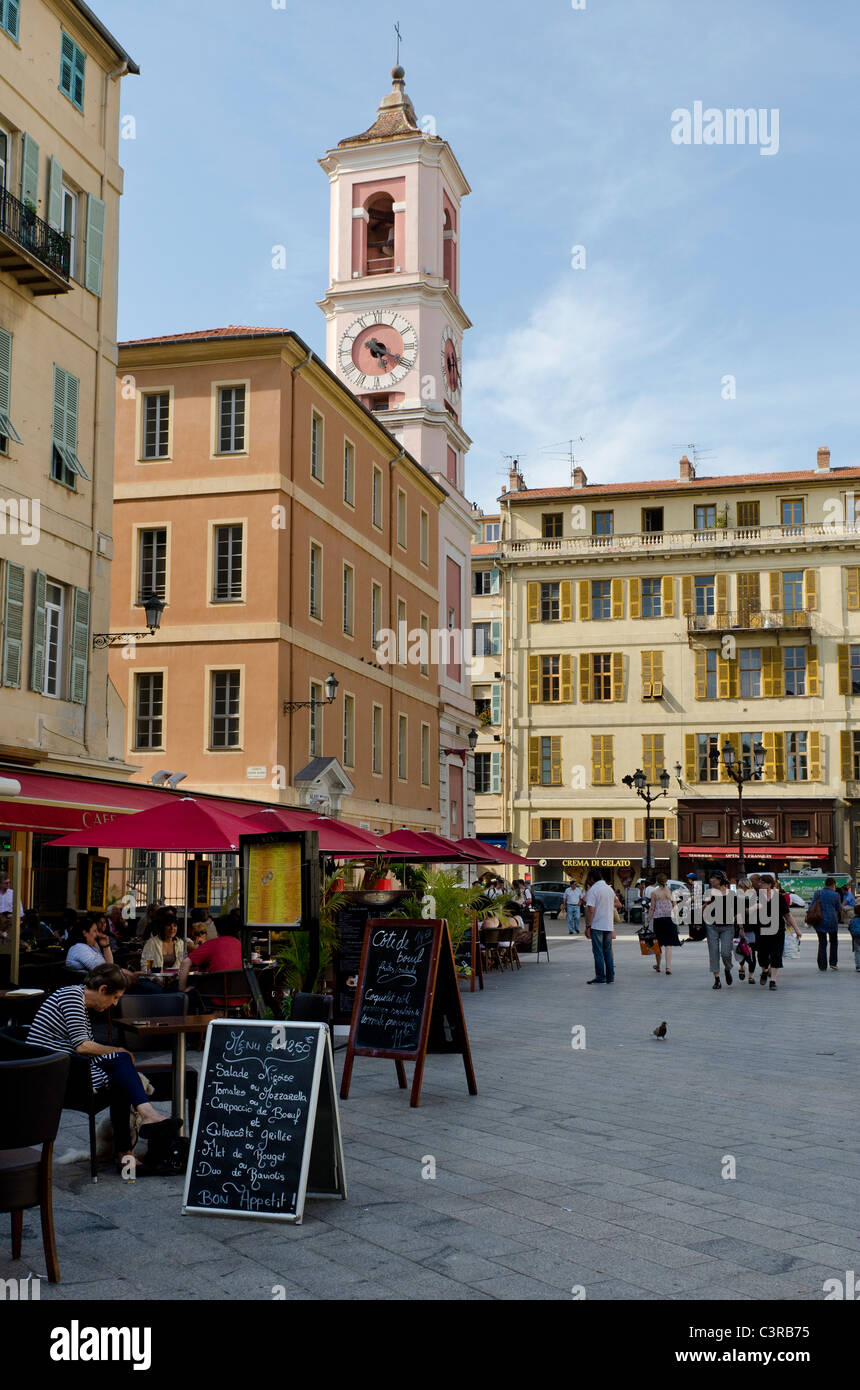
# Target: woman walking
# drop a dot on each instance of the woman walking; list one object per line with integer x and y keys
{"x": 771, "y": 943}
{"x": 719, "y": 929}
{"x": 746, "y": 918}
{"x": 661, "y": 919}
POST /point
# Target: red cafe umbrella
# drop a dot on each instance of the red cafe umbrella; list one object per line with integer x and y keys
{"x": 336, "y": 838}
{"x": 485, "y": 853}
{"x": 422, "y": 845}
{"x": 183, "y": 826}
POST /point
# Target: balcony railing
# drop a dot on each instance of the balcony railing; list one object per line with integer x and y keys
{"x": 31, "y": 250}
{"x": 657, "y": 541}
{"x": 747, "y": 620}
{"x": 380, "y": 265}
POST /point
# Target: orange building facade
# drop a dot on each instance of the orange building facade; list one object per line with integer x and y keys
{"x": 284, "y": 529}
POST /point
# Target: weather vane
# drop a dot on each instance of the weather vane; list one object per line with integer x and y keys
{"x": 399, "y": 40}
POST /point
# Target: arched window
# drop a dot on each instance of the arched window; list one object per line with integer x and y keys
{"x": 449, "y": 252}
{"x": 380, "y": 235}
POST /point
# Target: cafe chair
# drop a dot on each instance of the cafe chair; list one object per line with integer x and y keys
{"x": 491, "y": 956}
{"x": 160, "y": 1074}
{"x": 31, "y": 1103}
{"x": 508, "y": 953}
{"x": 224, "y": 991}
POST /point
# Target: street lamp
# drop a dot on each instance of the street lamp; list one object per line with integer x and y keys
{"x": 739, "y": 773}
{"x": 640, "y": 782}
{"x": 152, "y": 606}
{"x": 473, "y": 739}
{"x": 331, "y": 688}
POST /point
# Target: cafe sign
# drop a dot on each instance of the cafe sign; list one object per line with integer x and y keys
{"x": 596, "y": 863}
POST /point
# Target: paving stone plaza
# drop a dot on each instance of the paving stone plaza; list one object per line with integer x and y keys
{"x": 592, "y": 1171}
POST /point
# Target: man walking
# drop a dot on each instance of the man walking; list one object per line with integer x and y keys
{"x": 573, "y": 906}
{"x": 600, "y": 902}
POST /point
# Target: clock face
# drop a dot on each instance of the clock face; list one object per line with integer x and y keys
{"x": 378, "y": 350}
{"x": 452, "y": 371}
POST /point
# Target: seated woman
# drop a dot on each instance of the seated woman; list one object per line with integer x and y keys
{"x": 224, "y": 953}
{"x": 62, "y": 1024}
{"x": 165, "y": 949}
{"x": 200, "y": 919}
{"x": 90, "y": 947}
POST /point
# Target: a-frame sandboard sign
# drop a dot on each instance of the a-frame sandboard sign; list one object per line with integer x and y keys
{"x": 267, "y": 1129}
{"x": 408, "y": 1000}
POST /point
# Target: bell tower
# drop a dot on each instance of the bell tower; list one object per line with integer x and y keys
{"x": 394, "y": 336}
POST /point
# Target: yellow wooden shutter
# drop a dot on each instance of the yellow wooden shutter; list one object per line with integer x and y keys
{"x": 771, "y": 672}
{"x": 618, "y": 675}
{"x": 810, "y": 590}
{"x": 565, "y": 606}
{"x": 774, "y": 761}
{"x": 722, "y": 590}
{"x": 749, "y": 594}
{"x": 534, "y": 762}
{"x": 596, "y": 759}
{"x": 727, "y": 679}
{"x": 588, "y": 828}
{"x": 657, "y": 674}
{"x": 852, "y": 590}
{"x": 843, "y": 667}
{"x": 776, "y": 591}
{"x": 701, "y": 675}
{"x": 565, "y": 678}
{"x": 584, "y": 674}
{"x": 671, "y": 827}
{"x": 584, "y": 601}
{"x": 618, "y": 828}
{"x": 814, "y": 755}
{"x": 647, "y": 675}
{"x": 566, "y": 829}
{"x": 668, "y": 605}
{"x": 691, "y": 771}
{"x": 534, "y": 680}
{"x": 617, "y": 598}
{"x": 534, "y": 602}
{"x": 639, "y": 828}
{"x": 813, "y": 672}
{"x": 659, "y": 754}
{"x": 687, "y": 596}
{"x": 534, "y": 828}
{"x": 846, "y": 750}
{"x": 636, "y": 598}
{"x": 555, "y": 761}
{"x": 609, "y": 758}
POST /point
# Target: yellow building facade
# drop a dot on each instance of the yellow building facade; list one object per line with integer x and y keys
{"x": 650, "y": 625}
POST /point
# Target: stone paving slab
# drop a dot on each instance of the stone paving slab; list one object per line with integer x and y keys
{"x": 599, "y": 1167}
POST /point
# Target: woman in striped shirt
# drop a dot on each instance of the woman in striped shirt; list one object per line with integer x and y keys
{"x": 62, "y": 1024}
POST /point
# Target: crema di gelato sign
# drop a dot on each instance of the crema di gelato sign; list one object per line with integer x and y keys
{"x": 598, "y": 863}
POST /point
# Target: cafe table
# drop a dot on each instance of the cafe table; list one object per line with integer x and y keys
{"x": 176, "y": 1027}
{"x": 20, "y": 1004}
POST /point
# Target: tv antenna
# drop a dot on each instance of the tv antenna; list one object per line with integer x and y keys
{"x": 698, "y": 455}
{"x": 569, "y": 454}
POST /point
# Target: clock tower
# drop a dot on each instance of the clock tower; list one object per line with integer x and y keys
{"x": 395, "y": 327}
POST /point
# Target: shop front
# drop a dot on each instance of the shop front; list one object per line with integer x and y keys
{"x": 619, "y": 861}
{"x": 777, "y": 836}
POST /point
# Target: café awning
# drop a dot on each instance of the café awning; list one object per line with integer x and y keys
{"x": 754, "y": 849}
{"x": 598, "y": 854}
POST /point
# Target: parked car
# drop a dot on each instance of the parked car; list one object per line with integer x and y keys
{"x": 549, "y": 896}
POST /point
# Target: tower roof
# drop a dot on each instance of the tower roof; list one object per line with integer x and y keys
{"x": 395, "y": 118}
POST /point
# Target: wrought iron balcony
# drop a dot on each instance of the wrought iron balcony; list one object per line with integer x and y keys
{"x": 32, "y": 251}
{"x": 747, "y": 620}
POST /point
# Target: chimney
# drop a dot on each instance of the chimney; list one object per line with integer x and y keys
{"x": 823, "y": 460}
{"x": 579, "y": 478}
{"x": 516, "y": 481}
{"x": 688, "y": 471}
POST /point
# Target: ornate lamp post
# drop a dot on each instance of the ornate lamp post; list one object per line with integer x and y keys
{"x": 331, "y": 688}
{"x": 640, "y": 782}
{"x": 740, "y": 774}
{"x": 153, "y": 608}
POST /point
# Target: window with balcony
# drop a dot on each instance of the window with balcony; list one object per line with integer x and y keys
{"x": 652, "y": 519}
{"x": 552, "y": 526}
{"x": 704, "y": 590}
{"x": 229, "y": 548}
{"x": 69, "y": 222}
{"x": 749, "y": 514}
{"x": 705, "y": 516}
{"x": 791, "y": 511}
{"x": 792, "y": 591}
{"x": 750, "y": 672}
{"x": 149, "y": 710}
{"x": 224, "y": 717}
{"x": 602, "y": 523}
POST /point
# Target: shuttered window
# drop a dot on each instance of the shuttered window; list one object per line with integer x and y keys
{"x": 95, "y": 250}
{"x": 797, "y": 757}
{"x": 706, "y": 754}
{"x": 224, "y": 718}
{"x": 13, "y": 626}
{"x": 10, "y": 12}
{"x": 652, "y": 675}
{"x": 72, "y": 68}
{"x": 602, "y": 760}
{"x": 7, "y": 429}
{"x": 149, "y": 710}
{"x": 65, "y": 464}
{"x": 80, "y": 646}
{"x": 653, "y": 756}
{"x": 794, "y": 671}
{"x": 231, "y": 419}
{"x": 750, "y": 672}
{"x": 156, "y": 425}
{"x": 228, "y": 564}
{"x": 852, "y": 589}
{"x": 545, "y": 761}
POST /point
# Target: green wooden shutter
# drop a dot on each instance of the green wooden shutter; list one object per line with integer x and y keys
{"x": 37, "y": 655}
{"x": 13, "y": 626}
{"x": 29, "y": 170}
{"x": 80, "y": 647}
{"x": 65, "y": 420}
{"x": 496, "y": 635}
{"x": 72, "y": 69}
{"x": 13, "y": 10}
{"x": 95, "y": 244}
{"x": 496, "y": 711}
{"x": 496, "y": 773}
{"x": 6, "y": 426}
{"x": 495, "y": 577}
{"x": 55, "y": 194}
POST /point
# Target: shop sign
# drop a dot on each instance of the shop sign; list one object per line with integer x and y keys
{"x": 596, "y": 863}
{"x": 757, "y": 829}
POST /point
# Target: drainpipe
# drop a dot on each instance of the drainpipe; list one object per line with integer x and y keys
{"x": 392, "y": 616}
{"x": 293, "y": 374}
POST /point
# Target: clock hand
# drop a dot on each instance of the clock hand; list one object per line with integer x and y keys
{"x": 380, "y": 351}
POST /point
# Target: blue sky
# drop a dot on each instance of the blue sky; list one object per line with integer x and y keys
{"x": 702, "y": 261}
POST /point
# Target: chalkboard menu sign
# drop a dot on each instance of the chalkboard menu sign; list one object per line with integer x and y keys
{"x": 267, "y": 1130}
{"x": 467, "y": 957}
{"x": 92, "y": 882}
{"x": 351, "y": 922}
{"x": 408, "y": 998}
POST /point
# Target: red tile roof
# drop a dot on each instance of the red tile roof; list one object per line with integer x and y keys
{"x": 485, "y": 547}
{"x": 204, "y": 335}
{"x": 678, "y": 485}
